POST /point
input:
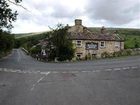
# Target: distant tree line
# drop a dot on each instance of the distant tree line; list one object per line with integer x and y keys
{"x": 29, "y": 41}
{"x": 6, "y": 43}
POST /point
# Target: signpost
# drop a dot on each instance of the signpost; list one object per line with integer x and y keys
{"x": 91, "y": 46}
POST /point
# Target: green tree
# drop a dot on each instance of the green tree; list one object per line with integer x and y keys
{"x": 35, "y": 50}
{"x": 136, "y": 43}
{"x": 6, "y": 43}
{"x": 62, "y": 47}
{"x": 7, "y": 16}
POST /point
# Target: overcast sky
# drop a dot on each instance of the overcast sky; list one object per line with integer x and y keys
{"x": 43, "y": 14}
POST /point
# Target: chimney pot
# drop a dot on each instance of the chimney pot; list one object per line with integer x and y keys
{"x": 78, "y": 22}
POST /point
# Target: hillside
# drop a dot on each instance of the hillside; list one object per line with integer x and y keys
{"x": 121, "y": 31}
{"x": 21, "y": 35}
{"x": 131, "y": 36}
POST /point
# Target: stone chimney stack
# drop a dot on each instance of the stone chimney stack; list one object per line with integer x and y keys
{"x": 103, "y": 30}
{"x": 78, "y": 22}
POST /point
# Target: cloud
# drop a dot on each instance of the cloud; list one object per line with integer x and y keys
{"x": 117, "y": 12}
{"x": 44, "y": 13}
{"x": 66, "y": 13}
{"x": 23, "y": 26}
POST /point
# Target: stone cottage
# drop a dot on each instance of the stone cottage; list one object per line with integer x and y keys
{"x": 88, "y": 43}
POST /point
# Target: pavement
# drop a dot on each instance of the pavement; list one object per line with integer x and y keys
{"x": 26, "y": 81}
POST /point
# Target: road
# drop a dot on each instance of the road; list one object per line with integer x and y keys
{"x": 26, "y": 81}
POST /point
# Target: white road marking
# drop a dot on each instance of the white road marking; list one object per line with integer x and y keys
{"x": 74, "y": 71}
{"x": 134, "y": 67}
{"x": 20, "y": 72}
{"x": 17, "y": 70}
{"x": 64, "y": 72}
{"x": 124, "y": 68}
{"x": 6, "y": 70}
{"x": 30, "y": 72}
{"x": 98, "y": 70}
{"x": 33, "y": 87}
{"x": 13, "y": 71}
{"x": 116, "y": 69}
{"x": 42, "y": 72}
{"x": 108, "y": 70}
{"x": 39, "y": 80}
{"x": 85, "y": 71}
{"x": 127, "y": 68}
{"x": 45, "y": 73}
{"x": 54, "y": 72}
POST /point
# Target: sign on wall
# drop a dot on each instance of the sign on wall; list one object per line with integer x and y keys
{"x": 91, "y": 46}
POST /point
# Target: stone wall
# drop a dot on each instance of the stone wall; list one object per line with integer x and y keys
{"x": 109, "y": 48}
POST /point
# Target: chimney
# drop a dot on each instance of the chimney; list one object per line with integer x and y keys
{"x": 103, "y": 30}
{"x": 78, "y": 22}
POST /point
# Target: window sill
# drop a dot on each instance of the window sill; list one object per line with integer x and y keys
{"x": 117, "y": 47}
{"x": 78, "y": 46}
{"x": 102, "y": 47}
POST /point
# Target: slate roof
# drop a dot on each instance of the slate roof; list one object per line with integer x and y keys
{"x": 93, "y": 36}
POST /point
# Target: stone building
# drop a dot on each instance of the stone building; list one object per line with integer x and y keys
{"x": 88, "y": 43}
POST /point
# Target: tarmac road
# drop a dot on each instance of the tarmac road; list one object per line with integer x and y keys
{"x": 26, "y": 81}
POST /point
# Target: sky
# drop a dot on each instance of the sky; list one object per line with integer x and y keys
{"x": 42, "y": 14}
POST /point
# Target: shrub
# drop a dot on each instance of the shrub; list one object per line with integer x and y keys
{"x": 117, "y": 54}
{"x": 128, "y": 52}
{"x": 6, "y": 42}
{"x": 35, "y": 50}
{"x": 106, "y": 55}
{"x": 122, "y": 53}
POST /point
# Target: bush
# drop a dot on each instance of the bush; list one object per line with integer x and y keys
{"x": 35, "y": 50}
{"x": 65, "y": 53}
{"x": 117, "y": 54}
{"x": 106, "y": 55}
{"x": 122, "y": 53}
{"x": 126, "y": 52}
{"x": 88, "y": 57}
{"x": 6, "y": 43}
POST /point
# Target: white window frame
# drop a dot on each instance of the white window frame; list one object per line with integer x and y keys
{"x": 103, "y": 44}
{"x": 78, "y": 44}
{"x": 117, "y": 44}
